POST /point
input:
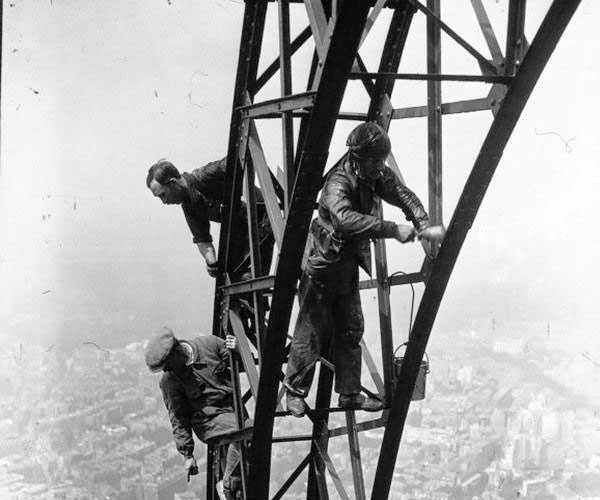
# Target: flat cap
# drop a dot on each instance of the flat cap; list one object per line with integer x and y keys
{"x": 158, "y": 349}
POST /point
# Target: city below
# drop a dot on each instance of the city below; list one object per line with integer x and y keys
{"x": 509, "y": 415}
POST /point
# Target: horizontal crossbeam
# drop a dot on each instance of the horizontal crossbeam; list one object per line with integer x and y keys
{"x": 399, "y": 279}
{"x": 279, "y": 105}
{"x": 264, "y": 283}
{"x": 448, "y": 108}
{"x": 433, "y": 78}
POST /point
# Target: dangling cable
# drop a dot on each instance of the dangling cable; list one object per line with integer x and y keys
{"x": 412, "y": 302}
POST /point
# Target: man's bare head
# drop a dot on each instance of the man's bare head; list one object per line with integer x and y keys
{"x": 166, "y": 183}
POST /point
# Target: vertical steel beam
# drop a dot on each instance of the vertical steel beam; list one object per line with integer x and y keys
{"x": 385, "y": 314}
{"x": 434, "y": 117}
{"x": 250, "y": 48}
{"x": 256, "y": 264}
{"x": 391, "y": 55}
{"x": 210, "y": 471}
{"x": 311, "y": 164}
{"x": 250, "y": 45}
{"x": 238, "y": 406}
{"x": 317, "y": 485}
{"x": 287, "y": 124}
{"x": 252, "y": 33}
{"x": 515, "y": 33}
{"x": 380, "y": 110}
{"x": 354, "y": 445}
{"x": 548, "y": 35}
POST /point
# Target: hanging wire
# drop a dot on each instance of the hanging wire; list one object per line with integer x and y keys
{"x": 412, "y": 302}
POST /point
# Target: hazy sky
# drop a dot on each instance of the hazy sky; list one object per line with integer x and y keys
{"x": 94, "y": 92}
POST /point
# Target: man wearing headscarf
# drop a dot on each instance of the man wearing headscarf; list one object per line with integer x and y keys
{"x": 330, "y": 307}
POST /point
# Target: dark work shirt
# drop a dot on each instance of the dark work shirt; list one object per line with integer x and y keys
{"x": 206, "y": 185}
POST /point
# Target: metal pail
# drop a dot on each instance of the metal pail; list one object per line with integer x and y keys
{"x": 419, "y": 390}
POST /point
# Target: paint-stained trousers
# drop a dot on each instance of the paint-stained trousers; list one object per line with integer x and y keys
{"x": 330, "y": 309}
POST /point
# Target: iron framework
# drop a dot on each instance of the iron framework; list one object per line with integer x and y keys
{"x": 337, "y": 30}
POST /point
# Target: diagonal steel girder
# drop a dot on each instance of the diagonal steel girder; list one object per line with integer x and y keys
{"x": 548, "y": 35}
{"x": 311, "y": 164}
{"x": 393, "y": 50}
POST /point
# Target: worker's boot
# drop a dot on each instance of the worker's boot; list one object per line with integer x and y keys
{"x": 295, "y": 404}
{"x": 359, "y": 402}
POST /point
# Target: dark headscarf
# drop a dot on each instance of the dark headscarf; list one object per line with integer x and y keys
{"x": 368, "y": 140}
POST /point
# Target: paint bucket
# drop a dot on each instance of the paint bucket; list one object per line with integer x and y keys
{"x": 419, "y": 390}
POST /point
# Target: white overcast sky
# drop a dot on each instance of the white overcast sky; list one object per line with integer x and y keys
{"x": 94, "y": 92}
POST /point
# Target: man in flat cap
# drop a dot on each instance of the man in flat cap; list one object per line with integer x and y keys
{"x": 200, "y": 194}
{"x": 196, "y": 389}
{"x": 340, "y": 243}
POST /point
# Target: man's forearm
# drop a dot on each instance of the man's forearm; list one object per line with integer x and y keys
{"x": 393, "y": 191}
{"x": 184, "y": 441}
{"x": 208, "y": 252}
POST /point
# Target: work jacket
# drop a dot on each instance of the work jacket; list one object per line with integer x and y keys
{"x": 199, "y": 394}
{"x": 204, "y": 204}
{"x": 206, "y": 185}
{"x": 346, "y": 221}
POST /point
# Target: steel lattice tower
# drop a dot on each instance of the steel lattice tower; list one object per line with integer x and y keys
{"x": 337, "y": 29}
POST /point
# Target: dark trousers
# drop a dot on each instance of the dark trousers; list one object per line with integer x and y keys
{"x": 230, "y": 454}
{"x": 330, "y": 310}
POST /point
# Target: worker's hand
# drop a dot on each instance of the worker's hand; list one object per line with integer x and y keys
{"x": 230, "y": 342}
{"x": 191, "y": 467}
{"x": 212, "y": 269}
{"x": 405, "y": 233}
{"x": 433, "y": 233}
